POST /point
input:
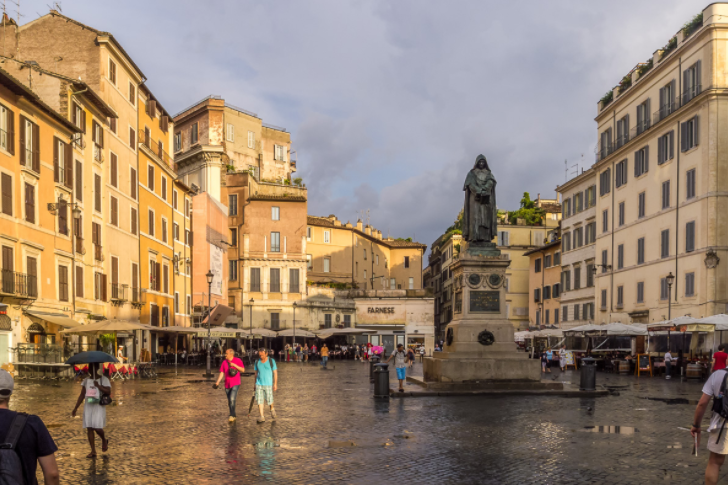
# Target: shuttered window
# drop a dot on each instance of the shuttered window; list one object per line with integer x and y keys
{"x": 621, "y": 173}
{"x": 620, "y": 296}
{"x": 164, "y": 187}
{"x": 622, "y": 131}
{"x": 150, "y": 223}
{"x": 134, "y": 219}
{"x": 640, "y": 250}
{"x": 689, "y": 134}
{"x": 641, "y": 201}
{"x": 605, "y": 220}
{"x": 63, "y": 217}
{"x": 79, "y": 281}
{"x": 665, "y": 243}
{"x": 664, "y": 289}
{"x": 133, "y": 184}
{"x": 132, "y": 138}
{"x": 690, "y": 236}
{"x": 132, "y": 94}
{"x": 193, "y": 134}
{"x": 605, "y": 182}
{"x": 589, "y": 276}
{"x": 620, "y": 256}
{"x": 164, "y": 230}
{"x": 112, "y": 72}
{"x": 275, "y": 242}
{"x": 666, "y": 147}
{"x": 114, "y": 211}
{"x": 691, "y": 82}
{"x": 79, "y": 181}
{"x": 577, "y": 277}
{"x": 97, "y": 192}
{"x": 30, "y": 203}
{"x": 667, "y": 100}
{"x": 63, "y": 283}
{"x": 690, "y": 184}
{"x": 174, "y": 199}
{"x": 255, "y": 279}
{"x": 689, "y": 284}
{"x": 666, "y": 194}
{"x": 150, "y": 177}
{"x": 604, "y": 300}
{"x": 621, "y": 213}
{"x": 641, "y": 292}
{"x": 165, "y": 272}
{"x": 114, "y": 169}
{"x": 6, "y": 187}
{"x": 643, "y": 116}
{"x": 641, "y": 161}
{"x": 232, "y": 270}
{"x": 605, "y": 259}
{"x": 293, "y": 278}
{"x": 7, "y": 129}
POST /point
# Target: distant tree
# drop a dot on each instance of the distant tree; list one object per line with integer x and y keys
{"x": 528, "y": 212}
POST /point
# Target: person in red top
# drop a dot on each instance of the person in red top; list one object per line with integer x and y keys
{"x": 720, "y": 358}
{"x": 230, "y": 369}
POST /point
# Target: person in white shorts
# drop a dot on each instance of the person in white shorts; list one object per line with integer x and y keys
{"x": 718, "y": 447}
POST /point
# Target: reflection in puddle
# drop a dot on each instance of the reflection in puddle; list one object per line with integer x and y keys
{"x": 341, "y": 444}
{"x": 673, "y": 401}
{"x": 610, "y": 429}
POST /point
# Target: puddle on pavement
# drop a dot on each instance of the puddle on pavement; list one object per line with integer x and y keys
{"x": 341, "y": 444}
{"x": 196, "y": 382}
{"x": 610, "y": 429}
{"x": 673, "y": 401}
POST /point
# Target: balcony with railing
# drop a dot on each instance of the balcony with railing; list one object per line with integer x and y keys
{"x": 669, "y": 107}
{"x": 19, "y": 284}
{"x": 98, "y": 153}
{"x": 158, "y": 151}
{"x": 78, "y": 141}
{"x": 118, "y": 292}
{"x": 135, "y": 295}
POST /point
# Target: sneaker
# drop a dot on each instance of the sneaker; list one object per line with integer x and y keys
{"x": 401, "y": 390}
{"x": 261, "y": 420}
{"x": 273, "y": 414}
{"x": 231, "y": 419}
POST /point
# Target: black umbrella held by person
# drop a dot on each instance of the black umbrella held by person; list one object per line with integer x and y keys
{"x": 91, "y": 357}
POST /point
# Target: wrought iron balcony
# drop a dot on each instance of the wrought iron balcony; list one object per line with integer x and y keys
{"x": 118, "y": 292}
{"x": 19, "y": 284}
{"x": 157, "y": 149}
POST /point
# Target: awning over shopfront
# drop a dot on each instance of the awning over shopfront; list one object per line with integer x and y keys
{"x": 55, "y": 318}
{"x": 616, "y": 329}
{"x": 328, "y": 332}
{"x": 107, "y": 326}
{"x": 299, "y": 333}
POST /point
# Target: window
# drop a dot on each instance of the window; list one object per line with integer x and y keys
{"x": 664, "y": 289}
{"x": 689, "y": 134}
{"x": 620, "y": 296}
{"x": 132, "y": 94}
{"x": 605, "y": 181}
{"x": 275, "y": 213}
{"x": 62, "y": 163}
{"x": 63, "y": 283}
{"x": 641, "y": 200}
{"x": 294, "y": 281}
{"x": 113, "y": 169}
{"x": 643, "y": 116}
{"x": 232, "y": 270}
{"x": 275, "y": 280}
{"x": 667, "y": 100}
{"x": 176, "y": 302}
{"x": 6, "y": 188}
{"x": 691, "y": 82}
{"x": 165, "y": 277}
{"x": 233, "y": 237}
{"x": 327, "y": 320}
{"x": 537, "y": 294}
{"x": 7, "y": 132}
{"x": 327, "y": 265}
{"x": 133, "y": 183}
{"x": 689, "y": 284}
{"x": 577, "y": 277}
{"x": 187, "y": 207}
{"x": 503, "y": 238}
{"x": 112, "y": 124}
{"x": 406, "y": 261}
{"x": 576, "y": 312}
{"x": 177, "y": 141}
{"x": 665, "y": 147}
{"x": 641, "y": 292}
{"x": 255, "y": 279}
{"x": 556, "y": 290}
{"x": 566, "y": 280}
{"x": 188, "y": 307}
{"x": 134, "y": 220}
{"x": 620, "y": 256}
{"x": 309, "y": 233}
{"x": 605, "y": 143}
{"x": 566, "y": 209}
{"x": 589, "y": 275}
{"x": 578, "y": 202}
{"x": 591, "y": 233}
{"x": 591, "y": 196}
{"x": 621, "y": 213}
{"x": 690, "y": 237}
{"x": 150, "y": 224}
{"x": 251, "y": 139}
{"x": 620, "y": 174}
{"x": 193, "y": 134}
{"x": 132, "y": 138}
{"x": 578, "y": 237}
{"x": 29, "y": 144}
{"x": 79, "y": 281}
{"x": 565, "y": 313}
{"x": 233, "y": 205}
{"x": 690, "y": 184}
{"x": 392, "y": 284}
{"x": 63, "y": 217}
{"x": 665, "y": 243}
{"x": 566, "y": 242}
{"x": 230, "y": 132}
{"x": 112, "y": 72}
{"x": 556, "y": 315}
{"x": 641, "y": 161}
{"x": 275, "y": 242}
{"x": 114, "y": 202}
{"x": 164, "y": 230}
{"x": 150, "y": 177}
{"x": 641, "y": 250}
{"x": 327, "y": 236}
{"x": 547, "y": 261}
{"x": 188, "y": 237}
{"x": 174, "y": 199}
{"x": 604, "y": 300}
{"x": 605, "y": 220}
{"x": 377, "y": 260}
{"x": 164, "y": 187}
{"x": 365, "y": 254}
{"x": 279, "y": 153}
{"x": 666, "y": 194}
{"x": 538, "y": 265}
{"x": 604, "y": 261}
{"x": 309, "y": 262}
{"x": 546, "y": 292}
{"x": 622, "y": 131}
{"x": 411, "y": 283}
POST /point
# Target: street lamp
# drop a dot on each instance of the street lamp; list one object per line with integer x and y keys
{"x": 251, "y": 327}
{"x": 294, "y": 322}
{"x": 670, "y": 280}
{"x": 209, "y": 277}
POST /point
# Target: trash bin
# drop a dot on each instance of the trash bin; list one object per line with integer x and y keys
{"x": 381, "y": 380}
{"x": 588, "y": 374}
{"x": 374, "y": 359}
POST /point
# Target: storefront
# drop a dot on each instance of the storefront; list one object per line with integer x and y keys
{"x": 390, "y": 321}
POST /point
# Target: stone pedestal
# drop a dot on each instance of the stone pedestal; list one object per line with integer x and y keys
{"x": 479, "y": 346}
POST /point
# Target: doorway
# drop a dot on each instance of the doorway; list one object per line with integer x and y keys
{"x": 388, "y": 343}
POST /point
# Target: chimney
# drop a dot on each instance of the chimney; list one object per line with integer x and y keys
{"x": 337, "y": 223}
{"x": 348, "y": 224}
{"x": 368, "y": 230}
{"x": 359, "y": 225}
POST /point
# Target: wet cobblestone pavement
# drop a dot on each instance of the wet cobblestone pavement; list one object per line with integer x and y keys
{"x": 329, "y": 429}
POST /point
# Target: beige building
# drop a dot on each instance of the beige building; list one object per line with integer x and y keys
{"x": 346, "y": 256}
{"x": 545, "y": 283}
{"x": 443, "y": 253}
{"x": 659, "y": 163}
{"x": 578, "y": 239}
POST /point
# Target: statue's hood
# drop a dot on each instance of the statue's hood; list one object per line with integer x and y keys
{"x": 478, "y": 159}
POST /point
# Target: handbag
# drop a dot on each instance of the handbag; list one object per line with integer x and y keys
{"x": 232, "y": 371}
{"x": 105, "y": 400}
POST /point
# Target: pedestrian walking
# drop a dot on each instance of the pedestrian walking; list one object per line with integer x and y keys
{"x": 324, "y": 355}
{"x": 94, "y": 414}
{"x": 230, "y": 370}
{"x": 544, "y": 363}
{"x": 668, "y": 365}
{"x": 31, "y": 441}
{"x": 550, "y": 357}
{"x": 562, "y": 358}
{"x": 401, "y": 359}
{"x": 305, "y": 352}
{"x": 266, "y": 382}
{"x": 410, "y": 354}
{"x": 720, "y": 358}
{"x": 299, "y": 356}
{"x": 717, "y": 433}
{"x": 313, "y": 350}
{"x": 357, "y": 352}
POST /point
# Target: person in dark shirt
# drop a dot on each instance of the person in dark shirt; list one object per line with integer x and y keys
{"x": 35, "y": 444}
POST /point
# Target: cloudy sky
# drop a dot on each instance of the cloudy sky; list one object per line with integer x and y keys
{"x": 389, "y": 102}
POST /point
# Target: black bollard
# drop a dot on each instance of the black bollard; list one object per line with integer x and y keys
{"x": 588, "y": 375}
{"x": 374, "y": 359}
{"x": 381, "y": 381}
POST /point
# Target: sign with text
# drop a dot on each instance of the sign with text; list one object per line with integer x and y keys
{"x": 380, "y": 312}
{"x": 485, "y": 301}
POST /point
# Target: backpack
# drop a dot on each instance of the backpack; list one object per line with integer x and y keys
{"x": 720, "y": 404}
{"x": 11, "y": 468}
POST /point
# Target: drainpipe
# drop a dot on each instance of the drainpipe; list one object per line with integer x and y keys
{"x": 677, "y": 187}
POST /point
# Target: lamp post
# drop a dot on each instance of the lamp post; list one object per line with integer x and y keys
{"x": 294, "y": 322}
{"x": 251, "y": 327}
{"x": 670, "y": 280}
{"x": 209, "y": 277}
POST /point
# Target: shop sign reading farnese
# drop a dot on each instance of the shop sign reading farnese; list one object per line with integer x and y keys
{"x": 378, "y": 312}
{"x": 377, "y": 309}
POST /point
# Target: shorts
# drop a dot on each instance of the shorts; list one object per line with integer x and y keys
{"x": 401, "y": 373}
{"x": 264, "y": 394}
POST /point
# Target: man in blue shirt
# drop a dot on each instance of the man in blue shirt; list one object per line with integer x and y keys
{"x": 266, "y": 381}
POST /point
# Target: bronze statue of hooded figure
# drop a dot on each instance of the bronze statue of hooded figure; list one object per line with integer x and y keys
{"x": 480, "y": 214}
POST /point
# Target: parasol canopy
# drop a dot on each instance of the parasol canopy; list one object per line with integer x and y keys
{"x": 91, "y": 357}
{"x": 299, "y": 333}
{"x": 107, "y": 326}
{"x": 329, "y": 332}
{"x": 617, "y": 329}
